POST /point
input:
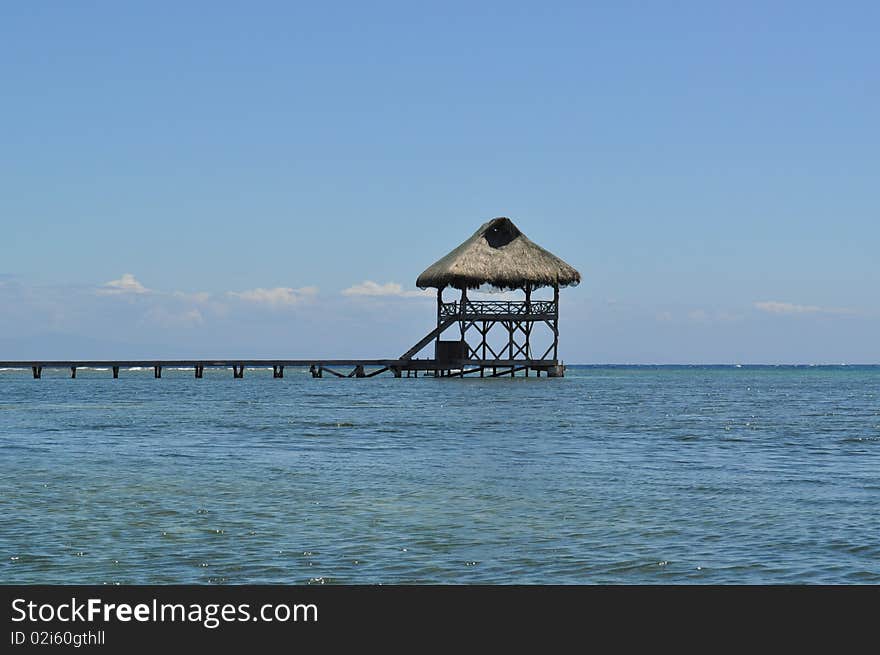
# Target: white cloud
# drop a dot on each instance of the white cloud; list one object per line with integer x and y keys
{"x": 370, "y": 288}
{"x": 127, "y": 284}
{"x": 776, "y": 307}
{"x": 169, "y": 318}
{"x": 697, "y": 315}
{"x": 199, "y": 297}
{"x": 277, "y": 297}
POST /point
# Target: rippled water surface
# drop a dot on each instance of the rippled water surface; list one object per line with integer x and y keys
{"x": 620, "y": 475}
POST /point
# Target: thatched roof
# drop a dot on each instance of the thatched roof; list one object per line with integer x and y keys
{"x": 498, "y": 254}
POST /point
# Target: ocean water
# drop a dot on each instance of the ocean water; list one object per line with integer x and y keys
{"x": 610, "y": 475}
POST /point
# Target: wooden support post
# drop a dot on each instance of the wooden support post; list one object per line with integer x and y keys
{"x": 439, "y": 310}
{"x": 528, "y": 325}
{"x": 557, "y": 371}
{"x": 199, "y": 371}
{"x": 37, "y": 371}
{"x": 485, "y": 335}
{"x": 238, "y": 371}
{"x": 556, "y": 322}
{"x": 462, "y": 308}
{"x": 157, "y": 371}
{"x": 115, "y": 372}
{"x": 73, "y": 372}
{"x": 396, "y": 371}
{"x": 510, "y": 339}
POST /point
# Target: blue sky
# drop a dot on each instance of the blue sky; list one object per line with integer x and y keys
{"x": 231, "y": 170}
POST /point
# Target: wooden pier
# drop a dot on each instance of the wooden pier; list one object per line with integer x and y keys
{"x": 360, "y": 368}
{"x": 494, "y": 337}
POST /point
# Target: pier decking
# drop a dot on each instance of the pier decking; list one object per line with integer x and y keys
{"x": 360, "y": 368}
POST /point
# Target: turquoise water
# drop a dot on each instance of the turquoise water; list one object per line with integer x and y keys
{"x": 610, "y": 475}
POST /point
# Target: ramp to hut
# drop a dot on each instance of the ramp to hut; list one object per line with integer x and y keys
{"x": 428, "y": 338}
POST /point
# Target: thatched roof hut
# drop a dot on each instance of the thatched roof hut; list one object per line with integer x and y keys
{"x": 501, "y": 256}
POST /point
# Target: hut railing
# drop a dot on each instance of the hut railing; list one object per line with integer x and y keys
{"x": 535, "y": 308}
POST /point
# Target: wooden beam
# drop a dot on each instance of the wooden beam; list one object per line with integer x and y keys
{"x": 511, "y": 372}
{"x": 463, "y": 372}
{"x": 435, "y": 333}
